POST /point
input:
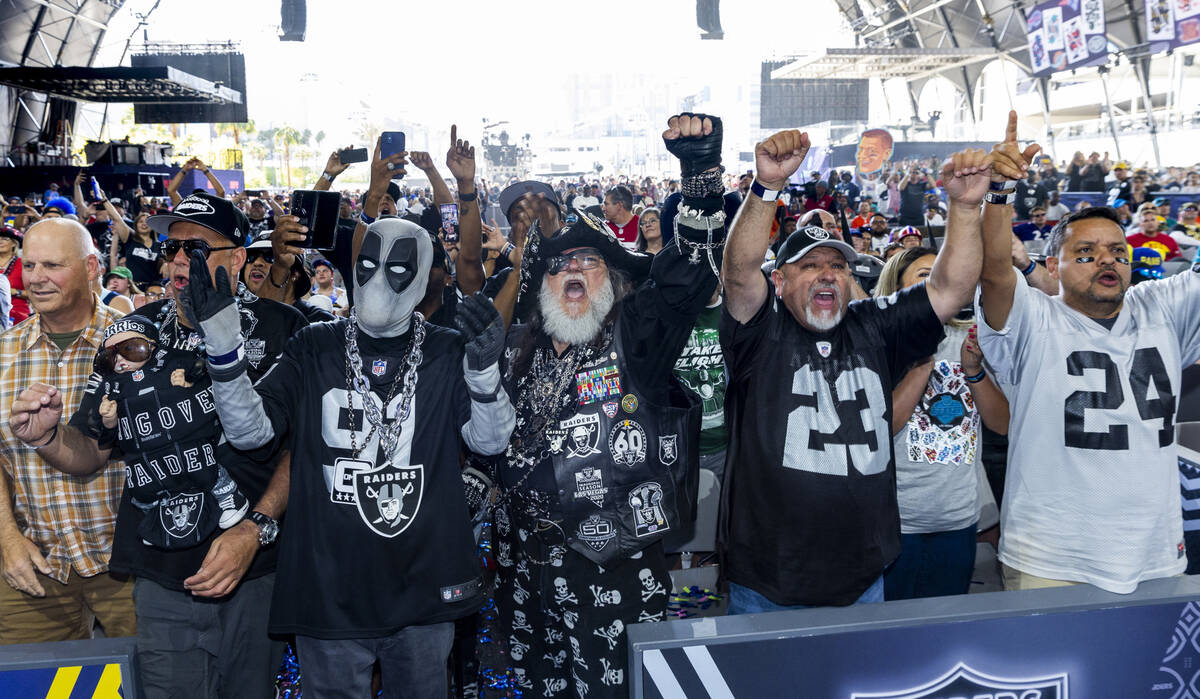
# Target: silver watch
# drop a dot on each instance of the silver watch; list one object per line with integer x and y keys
{"x": 268, "y": 528}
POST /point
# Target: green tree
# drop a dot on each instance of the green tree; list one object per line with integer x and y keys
{"x": 289, "y": 137}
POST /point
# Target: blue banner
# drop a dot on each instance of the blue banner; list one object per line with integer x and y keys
{"x": 1172, "y": 23}
{"x": 1066, "y": 34}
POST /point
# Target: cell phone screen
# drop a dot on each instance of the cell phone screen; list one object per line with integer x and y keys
{"x": 449, "y": 222}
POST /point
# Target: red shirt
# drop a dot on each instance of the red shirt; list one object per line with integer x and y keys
{"x": 825, "y": 202}
{"x": 1162, "y": 243}
{"x": 627, "y": 234}
{"x": 20, "y": 307}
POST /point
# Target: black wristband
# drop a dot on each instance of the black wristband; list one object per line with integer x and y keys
{"x": 977, "y": 377}
{"x": 48, "y": 442}
{"x": 468, "y": 197}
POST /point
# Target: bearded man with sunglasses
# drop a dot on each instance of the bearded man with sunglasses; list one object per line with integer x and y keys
{"x": 221, "y": 587}
{"x": 55, "y": 579}
{"x": 604, "y": 462}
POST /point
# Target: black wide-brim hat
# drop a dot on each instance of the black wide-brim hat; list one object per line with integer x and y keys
{"x": 580, "y": 231}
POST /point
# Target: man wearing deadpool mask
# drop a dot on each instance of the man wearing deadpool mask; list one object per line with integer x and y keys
{"x": 380, "y": 558}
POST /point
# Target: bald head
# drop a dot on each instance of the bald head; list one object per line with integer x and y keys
{"x": 68, "y": 236}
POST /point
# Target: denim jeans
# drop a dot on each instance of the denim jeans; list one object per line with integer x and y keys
{"x": 412, "y": 660}
{"x": 932, "y": 565}
{"x": 743, "y": 600}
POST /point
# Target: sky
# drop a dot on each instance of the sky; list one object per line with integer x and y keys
{"x": 465, "y": 60}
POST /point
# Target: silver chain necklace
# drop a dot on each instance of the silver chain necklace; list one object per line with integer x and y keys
{"x": 356, "y": 382}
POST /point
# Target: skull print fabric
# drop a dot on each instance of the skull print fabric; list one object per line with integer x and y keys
{"x": 563, "y": 622}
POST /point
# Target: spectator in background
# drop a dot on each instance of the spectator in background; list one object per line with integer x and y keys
{"x": 1030, "y": 193}
{"x": 138, "y": 249}
{"x": 10, "y": 265}
{"x": 1166, "y": 220}
{"x": 50, "y": 193}
{"x": 619, "y": 216}
{"x": 193, "y": 164}
{"x": 259, "y": 256}
{"x": 820, "y": 199}
{"x": 650, "y": 227}
{"x": 933, "y": 215}
{"x": 912, "y": 197}
{"x": 1139, "y": 193}
{"x": 864, "y": 216}
{"x": 847, "y": 187}
{"x": 5, "y": 304}
{"x": 1187, "y": 223}
{"x": 323, "y": 285}
{"x": 587, "y": 197}
{"x": 1121, "y": 207}
{"x": 1119, "y": 188}
{"x": 1148, "y": 236}
{"x": 1051, "y": 177}
{"x": 260, "y": 219}
{"x": 1055, "y": 209}
{"x": 56, "y": 530}
{"x": 1093, "y": 173}
{"x": 907, "y": 237}
{"x": 879, "y": 232}
{"x": 1034, "y": 229}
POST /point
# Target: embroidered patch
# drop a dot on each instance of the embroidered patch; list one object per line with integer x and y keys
{"x": 593, "y": 385}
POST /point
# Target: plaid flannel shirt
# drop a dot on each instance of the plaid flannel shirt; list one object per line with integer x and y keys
{"x": 70, "y": 518}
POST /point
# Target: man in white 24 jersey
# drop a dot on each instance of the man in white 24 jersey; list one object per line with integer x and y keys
{"x": 1093, "y": 377}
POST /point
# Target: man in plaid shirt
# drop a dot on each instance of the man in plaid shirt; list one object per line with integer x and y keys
{"x": 56, "y": 530}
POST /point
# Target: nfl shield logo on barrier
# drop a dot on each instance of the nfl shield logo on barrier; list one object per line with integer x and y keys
{"x": 378, "y": 367}
{"x": 964, "y": 681}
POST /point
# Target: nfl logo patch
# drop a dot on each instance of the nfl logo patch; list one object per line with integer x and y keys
{"x": 139, "y": 375}
{"x": 824, "y": 348}
{"x": 446, "y": 594}
{"x": 610, "y": 408}
{"x": 378, "y": 367}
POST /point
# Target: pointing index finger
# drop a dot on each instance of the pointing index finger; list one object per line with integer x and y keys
{"x": 453, "y": 133}
{"x": 1010, "y": 132}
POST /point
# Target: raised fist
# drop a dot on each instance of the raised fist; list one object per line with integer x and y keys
{"x": 696, "y": 140}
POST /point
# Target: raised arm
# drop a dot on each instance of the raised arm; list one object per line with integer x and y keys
{"x": 173, "y": 185}
{"x": 775, "y": 160}
{"x": 998, "y": 280}
{"x": 955, "y": 273}
{"x": 333, "y": 167}
{"x": 381, "y": 176}
{"x": 120, "y": 228}
{"x": 212, "y": 179}
{"x": 460, "y": 160}
{"x": 77, "y": 194}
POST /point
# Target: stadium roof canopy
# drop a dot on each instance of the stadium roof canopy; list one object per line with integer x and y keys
{"x": 51, "y": 33}
{"x": 965, "y": 26}
{"x": 154, "y": 84}
{"x": 880, "y": 63}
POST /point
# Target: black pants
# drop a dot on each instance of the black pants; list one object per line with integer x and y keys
{"x": 564, "y": 625}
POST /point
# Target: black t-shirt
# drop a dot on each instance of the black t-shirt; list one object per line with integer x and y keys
{"x": 1093, "y": 179}
{"x": 1028, "y": 196}
{"x": 809, "y": 512}
{"x": 350, "y": 567}
{"x": 142, "y": 261}
{"x": 912, "y": 203}
{"x": 267, "y": 325}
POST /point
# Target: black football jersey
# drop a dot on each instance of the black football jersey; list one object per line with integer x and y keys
{"x": 375, "y": 542}
{"x": 809, "y": 512}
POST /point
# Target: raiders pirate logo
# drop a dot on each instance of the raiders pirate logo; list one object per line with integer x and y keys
{"x": 379, "y": 367}
{"x": 668, "y": 448}
{"x": 583, "y": 435}
{"x": 389, "y": 497}
{"x": 646, "y": 502}
{"x": 824, "y": 348}
{"x": 596, "y": 532}
{"x": 180, "y": 514}
{"x": 627, "y": 443}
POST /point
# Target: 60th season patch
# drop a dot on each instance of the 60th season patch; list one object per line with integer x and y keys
{"x": 627, "y": 443}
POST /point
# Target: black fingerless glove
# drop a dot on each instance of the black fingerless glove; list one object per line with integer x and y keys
{"x": 697, "y": 153}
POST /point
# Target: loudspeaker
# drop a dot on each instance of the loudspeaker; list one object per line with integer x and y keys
{"x": 708, "y": 16}
{"x": 293, "y": 20}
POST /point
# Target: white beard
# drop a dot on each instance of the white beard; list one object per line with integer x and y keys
{"x": 824, "y": 320}
{"x": 575, "y": 331}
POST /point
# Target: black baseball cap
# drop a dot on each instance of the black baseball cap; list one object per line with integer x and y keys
{"x": 212, "y": 212}
{"x": 132, "y": 324}
{"x": 513, "y": 193}
{"x": 805, "y": 240}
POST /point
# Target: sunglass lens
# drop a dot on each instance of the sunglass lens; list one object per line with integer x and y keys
{"x": 135, "y": 349}
{"x": 104, "y": 361}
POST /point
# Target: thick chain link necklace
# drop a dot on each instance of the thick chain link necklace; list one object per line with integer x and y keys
{"x": 545, "y": 391}
{"x": 357, "y": 383}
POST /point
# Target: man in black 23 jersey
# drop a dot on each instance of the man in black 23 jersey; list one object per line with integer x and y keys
{"x": 809, "y": 513}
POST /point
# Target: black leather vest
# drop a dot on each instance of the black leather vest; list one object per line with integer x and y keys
{"x": 626, "y": 470}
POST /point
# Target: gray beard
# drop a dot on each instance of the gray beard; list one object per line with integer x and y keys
{"x": 575, "y": 331}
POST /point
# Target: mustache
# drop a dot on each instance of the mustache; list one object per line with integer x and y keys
{"x": 824, "y": 286}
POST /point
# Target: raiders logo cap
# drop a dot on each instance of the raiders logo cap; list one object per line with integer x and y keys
{"x": 204, "y": 209}
{"x": 804, "y": 240}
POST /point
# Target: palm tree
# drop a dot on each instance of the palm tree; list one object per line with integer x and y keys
{"x": 289, "y": 136}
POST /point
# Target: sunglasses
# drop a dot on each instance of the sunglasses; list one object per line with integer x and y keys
{"x": 172, "y": 247}
{"x": 587, "y": 259}
{"x": 1189, "y": 208}
{"x": 266, "y": 254}
{"x": 135, "y": 349}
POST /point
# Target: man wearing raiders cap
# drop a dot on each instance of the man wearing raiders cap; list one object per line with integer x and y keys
{"x": 259, "y": 258}
{"x": 604, "y": 461}
{"x": 202, "y": 611}
{"x": 809, "y": 513}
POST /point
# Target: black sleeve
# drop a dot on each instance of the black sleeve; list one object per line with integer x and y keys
{"x": 86, "y": 417}
{"x": 658, "y": 317}
{"x": 741, "y": 343}
{"x": 907, "y": 323}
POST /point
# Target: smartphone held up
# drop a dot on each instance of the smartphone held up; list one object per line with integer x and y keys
{"x": 317, "y": 211}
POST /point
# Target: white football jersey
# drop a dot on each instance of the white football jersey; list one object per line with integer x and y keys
{"x": 1092, "y": 491}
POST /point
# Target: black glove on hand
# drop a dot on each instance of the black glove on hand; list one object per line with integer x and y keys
{"x": 483, "y": 329}
{"x": 697, "y": 153}
{"x": 211, "y": 309}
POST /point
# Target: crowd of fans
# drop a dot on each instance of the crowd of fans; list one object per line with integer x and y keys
{"x": 469, "y": 429}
